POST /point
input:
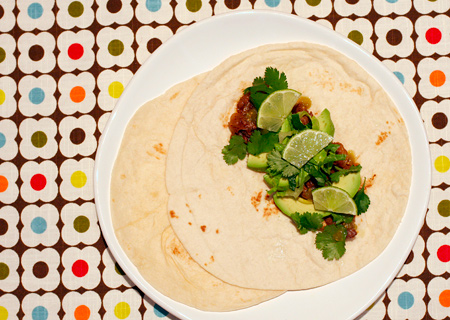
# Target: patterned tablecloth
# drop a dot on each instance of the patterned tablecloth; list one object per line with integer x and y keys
{"x": 64, "y": 64}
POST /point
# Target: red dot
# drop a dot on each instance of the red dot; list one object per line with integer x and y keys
{"x": 433, "y": 35}
{"x": 38, "y": 182}
{"x": 75, "y": 51}
{"x": 80, "y": 268}
{"x": 443, "y": 253}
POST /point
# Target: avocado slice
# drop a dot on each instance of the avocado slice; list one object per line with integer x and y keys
{"x": 289, "y": 206}
{"x": 283, "y": 184}
{"x": 257, "y": 163}
{"x": 325, "y": 123}
{"x": 350, "y": 183}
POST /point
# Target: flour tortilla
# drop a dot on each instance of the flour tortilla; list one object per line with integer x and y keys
{"x": 253, "y": 245}
{"x": 139, "y": 212}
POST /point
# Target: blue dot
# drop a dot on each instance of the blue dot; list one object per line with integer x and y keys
{"x": 400, "y": 76}
{"x": 39, "y": 313}
{"x": 272, "y": 3}
{"x": 159, "y": 311}
{"x": 35, "y": 10}
{"x": 38, "y": 225}
{"x": 405, "y": 300}
{"x": 391, "y": 1}
{"x": 36, "y": 95}
{"x": 2, "y": 140}
{"x": 153, "y": 5}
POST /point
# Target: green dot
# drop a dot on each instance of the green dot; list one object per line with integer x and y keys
{"x": 4, "y": 271}
{"x": 356, "y": 36}
{"x": 76, "y": 9}
{"x": 81, "y": 224}
{"x": 2, "y": 55}
{"x": 313, "y": 3}
{"x": 444, "y": 208}
{"x": 116, "y": 47}
{"x": 39, "y": 139}
{"x": 193, "y": 5}
{"x": 119, "y": 269}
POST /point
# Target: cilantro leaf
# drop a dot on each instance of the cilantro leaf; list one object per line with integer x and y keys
{"x": 335, "y": 176}
{"x": 235, "y": 150}
{"x": 260, "y": 143}
{"x": 307, "y": 221}
{"x": 362, "y": 200}
{"x": 274, "y": 79}
{"x": 339, "y": 218}
{"x": 331, "y": 241}
{"x": 332, "y": 147}
{"x": 277, "y": 165}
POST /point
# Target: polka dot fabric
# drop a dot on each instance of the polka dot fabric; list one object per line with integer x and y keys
{"x": 63, "y": 66}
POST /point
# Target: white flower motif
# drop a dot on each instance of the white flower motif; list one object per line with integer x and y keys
{"x": 424, "y": 6}
{"x": 80, "y": 224}
{"x": 9, "y": 234}
{"x": 439, "y": 305}
{"x": 77, "y": 13}
{"x": 394, "y": 37}
{"x": 149, "y": 39}
{"x": 376, "y": 311}
{"x": 188, "y": 11}
{"x": 111, "y": 85}
{"x": 438, "y": 216}
{"x": 8, "y": 144}
{"x": 40, "y": 269}
{"x": 35, "y": 14}
{"x": 77, "y": 179}
{"x": 40, "y": 307}
{"x": 158, "y": 11}
{"x": 8, "y": 187}
{"x": 345, "y": 9}
{"x": 434, "y": 77}
{"x": 384, "y": 7}
{"x": 223, "y": 6}
{"x": 76, "y": 50}
{"x": 433, "y": 35}
{"x": 316, "y": 8}
{"x": 77, "y": 93}
{"x": 325, "y": 23}
{"x": 438, "y": 245}
{"x": 102, "y": 121}
{"x": 115, "y": 47}
{"x": 278, "y": 5}
{"x": 435, "y": 116}
{"x": 36, "y": 52}
{"x": 407, "y": 299}
{"x": 122, "y": 305}
{"x": 8, "y": 19}
{"x": 9, "y": 305}
{"x": 359, "y": 30}
{"x": 415, "y": 267}
{"x": 81, "y": 268}
{"x": 39, "y": 225}
{"x": 9, "y": 277}
{"x": 39, "y": 181}
{"x": 8, "y": 88}
{"x": 440, "y": 160}
{"x": 113, "y": 276}
{"x": 109, "y": 15}
{"x": 38, "y": 138}
{"x": 76, "y": 304}
{"x": 405, "y": 71}
{"x": 7, "y": 58}
{"x": 77, "y": 136}
{"x": 37, "y": 95}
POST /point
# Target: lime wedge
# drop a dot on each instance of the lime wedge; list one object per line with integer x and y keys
{"x": 305, "y": 145}
{"x": 275, "y": 108}
{"x": 334, "y": 199}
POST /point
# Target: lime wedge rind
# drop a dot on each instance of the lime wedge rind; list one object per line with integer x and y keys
{"x": 334, "y": 199}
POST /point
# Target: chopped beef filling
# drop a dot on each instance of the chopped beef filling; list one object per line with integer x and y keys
{"x": 243, "y": 121}
{"x": 347, "y": 162}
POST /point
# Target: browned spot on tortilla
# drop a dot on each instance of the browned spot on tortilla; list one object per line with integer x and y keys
{"x": 205, "y": 264}
{"x": 199, "y": 196}
{"x": 203, "y": 228}
{"x": 187, "y": 205}
{"x": 173, "y": 214}
{"x": 190, "y": 223}
{"x": 134, "y": 126}
{"x": 212, "y": 258}
{"x": 349, "y": 88}
{"x": 159, "y": 148}
{"x": 217, "y": 230}
{"x": 270, "y": 209}
{"x": 175, "y": 251}
{"x": 152, "y": 155}
{"x": 256, "y": 199}
{"x": 400, "y": 120}
{"x": 369, "y": 182}
{"x": 122, "y": 176}
{"x": 174, "y": 96}
{"x": 229, "y": 189}
{"x": 381, "y": 137}
{"x": 113, "y": 200}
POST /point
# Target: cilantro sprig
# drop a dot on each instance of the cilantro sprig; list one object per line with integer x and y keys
{"x": 235, "y": 150}
{"x": 331, "y": 241}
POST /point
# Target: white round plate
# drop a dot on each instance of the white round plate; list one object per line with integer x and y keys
{"x": 199, "y": 48}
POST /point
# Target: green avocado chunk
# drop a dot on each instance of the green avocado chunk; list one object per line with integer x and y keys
{"x": 257, "y": 163}
{"x": 283, "y": 184}
{"x": 350, "y": 183}
{"x": 289, "y": 206}
{"x": 325, "y": 123}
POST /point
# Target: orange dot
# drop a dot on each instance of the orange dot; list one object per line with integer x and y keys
{"x": 3, "y": 184}
{"x": 82, "y": 312}
{"x": 77, "y": 94}
{"x": 437, "y": 78}
{"x": 444, "y": 298}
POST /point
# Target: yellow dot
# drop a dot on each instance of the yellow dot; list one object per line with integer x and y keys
{"x": 78, "y": 179}
{"x": 3, "y": 313}
{"x": 115, "y": 89}
{"x": 122, "y": 310}
{"x": 442, "y": 164}
{"x": 2, "y": 96}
